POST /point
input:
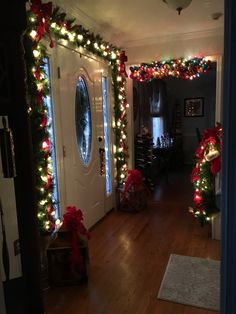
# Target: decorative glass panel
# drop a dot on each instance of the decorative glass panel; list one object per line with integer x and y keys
{"x": 106, "y": 135}
{"x": 157, "y": 129}
{"x": 51, "y": 130}
{"x": 83, "y": 120}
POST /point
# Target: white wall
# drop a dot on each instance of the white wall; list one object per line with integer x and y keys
{"x": 7, "y": 195}
{"x": 176, "y": 47}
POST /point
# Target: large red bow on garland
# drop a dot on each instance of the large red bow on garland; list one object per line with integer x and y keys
{"x": 43, "y": 12}
{"x": 73, "y": 221}
{"x": 123, "y": 58}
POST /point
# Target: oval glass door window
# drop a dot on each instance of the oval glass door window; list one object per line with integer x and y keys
{"x": 83, "y": 120}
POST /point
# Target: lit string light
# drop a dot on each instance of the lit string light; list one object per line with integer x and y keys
{"x": 187, "y": 69}
{"x": 208, "y": 164}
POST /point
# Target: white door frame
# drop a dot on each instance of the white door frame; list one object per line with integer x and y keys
{"x": 55, "y": 85}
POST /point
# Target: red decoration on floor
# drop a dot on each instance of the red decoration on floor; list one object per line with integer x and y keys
{"x": 73, "y": 221}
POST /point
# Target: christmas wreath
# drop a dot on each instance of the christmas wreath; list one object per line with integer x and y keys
{"x": 208, "y": 164}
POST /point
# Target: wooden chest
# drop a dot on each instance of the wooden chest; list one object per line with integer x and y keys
{"x": 60, "y": 269}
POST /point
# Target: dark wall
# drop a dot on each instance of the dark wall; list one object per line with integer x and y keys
{"x": 177, "y": 91}
{"x": 22, "y": 296}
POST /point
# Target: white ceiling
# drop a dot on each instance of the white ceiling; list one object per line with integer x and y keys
{"x": 131, "y": 22}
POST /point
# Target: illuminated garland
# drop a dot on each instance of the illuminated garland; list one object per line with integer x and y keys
{"x": 43, "y": 20}
{"x": 187, "y": 69}
{"x": 208, "y": 164}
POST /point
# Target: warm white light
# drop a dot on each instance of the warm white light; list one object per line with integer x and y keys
{"x": 113, "y": 55}
{"x": 33, "y": 34}
{"x": 53, "y": 25}
{"x": 44, "y": 178}
{"x": 63, "y": 31}
{"x": 71, "y": 36}
{"x": 36, "y": 53}
{"x": 58, "y": 222}
{"x": 80, "y": 37}
{"x": 43, "y": 202}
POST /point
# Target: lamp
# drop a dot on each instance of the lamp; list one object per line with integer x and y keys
{"x": 178, "y": 5}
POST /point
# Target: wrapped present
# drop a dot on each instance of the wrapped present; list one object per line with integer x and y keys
{"x": 133, "y": 197}
{"x": 68, "y": 251}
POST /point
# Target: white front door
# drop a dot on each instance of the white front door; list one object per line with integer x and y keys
{"x": 78, "y": 103}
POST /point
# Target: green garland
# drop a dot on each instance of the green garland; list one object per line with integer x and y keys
{"x": 44, "y": 21}
{"x": 187, "y": 69}
{"x": 208, "y": 164}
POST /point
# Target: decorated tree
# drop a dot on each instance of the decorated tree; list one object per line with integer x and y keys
{"x": 208, "y": 164}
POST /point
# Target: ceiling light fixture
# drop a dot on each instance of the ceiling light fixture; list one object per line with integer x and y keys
{"x": 178, "y": 5}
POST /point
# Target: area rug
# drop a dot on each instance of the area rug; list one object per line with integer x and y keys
{"x": 192, "y": 281}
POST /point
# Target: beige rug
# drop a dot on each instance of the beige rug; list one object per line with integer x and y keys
{"x": 192, "y": 281}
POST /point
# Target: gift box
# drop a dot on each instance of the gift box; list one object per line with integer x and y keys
{"x": 133, "y": 197}
{"x": 61, "y": 270}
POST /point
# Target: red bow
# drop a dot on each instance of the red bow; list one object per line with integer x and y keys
{"x": 135, "y": 178}
{"x": 123, "y": 58}
{"x": 73, "y": 221}
{"x": 43, "y": 12}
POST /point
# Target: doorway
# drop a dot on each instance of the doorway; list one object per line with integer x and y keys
{"x": 82, "y": 103}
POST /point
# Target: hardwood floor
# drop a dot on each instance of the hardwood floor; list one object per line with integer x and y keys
{"x": 129, "y": 254}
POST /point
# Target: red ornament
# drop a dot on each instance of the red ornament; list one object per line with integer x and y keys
{"x": 195, "y": 174}
{"x": 40, "y": 97}
{"x": 44, "y": 121}
{"x": 123, "y": 58}
{"x": 197, "y": 198}
{"x": 46, "y": 145}
{"x": 48, "y": 183}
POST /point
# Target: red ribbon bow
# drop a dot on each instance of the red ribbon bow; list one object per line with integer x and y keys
{"x": 73, "y": 221}
{"x": 43, "y": 12}
{"x": 135, "y": 178}
{"x": 123, "y": 58}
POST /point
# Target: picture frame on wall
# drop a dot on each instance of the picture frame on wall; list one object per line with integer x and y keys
{"x": 194, "y": 107}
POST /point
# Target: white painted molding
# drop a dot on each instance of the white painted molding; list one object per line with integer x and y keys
{"x": 130, "y": 126}
{"x": 175, "y": 37}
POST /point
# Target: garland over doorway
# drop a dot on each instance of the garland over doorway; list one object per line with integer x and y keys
{"x": 44, "y": 21}
{"x": 208, "y": 154}
{"x": 187, "y": 69}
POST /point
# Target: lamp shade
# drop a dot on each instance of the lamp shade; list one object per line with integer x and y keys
{"x": 178, "y": 5}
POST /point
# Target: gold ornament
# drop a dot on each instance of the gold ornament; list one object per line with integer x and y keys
{"x": 211, "y": 152}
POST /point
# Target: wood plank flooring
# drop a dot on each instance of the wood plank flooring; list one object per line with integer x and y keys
{"x": 129, "y": 254}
